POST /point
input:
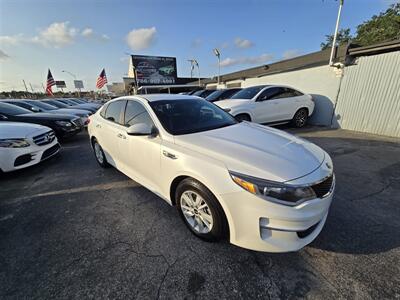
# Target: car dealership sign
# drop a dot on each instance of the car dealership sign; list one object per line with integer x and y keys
{"x": 154, "y": 70}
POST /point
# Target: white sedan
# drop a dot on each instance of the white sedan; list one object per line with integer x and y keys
{"x": 258, "y": 187}
{"x": 270, "y": 104}
{"x": 24, "y": 144}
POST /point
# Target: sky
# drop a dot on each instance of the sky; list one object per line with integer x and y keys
{"x": 84, "y": 36}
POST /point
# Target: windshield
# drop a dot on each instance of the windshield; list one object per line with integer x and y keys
{"x": 41, "y": 105}
{"x": 214, "y": 95}
{"x": 248, "y": 93}
{"x": 198, "y": 92}
{"x": 13, "y": 110}
{"x": 56, "y": 103}
{"x": 190, "y": 116}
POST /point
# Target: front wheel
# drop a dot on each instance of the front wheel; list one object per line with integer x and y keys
{"x": 201, "y": 211}
{"x": 300, "y": 118}
{"x": 243, "y": 117}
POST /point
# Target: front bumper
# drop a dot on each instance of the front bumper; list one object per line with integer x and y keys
{"x": 261, "y": 225}
{"x": 19, "y": 158}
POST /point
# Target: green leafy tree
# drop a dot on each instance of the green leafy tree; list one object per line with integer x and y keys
{"x": 382, "y": 27}
{"x": 343, "y": 38}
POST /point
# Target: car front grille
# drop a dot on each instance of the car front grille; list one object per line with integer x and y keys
{"x": 44, "y": 139}
{"x": 323, "y": 188}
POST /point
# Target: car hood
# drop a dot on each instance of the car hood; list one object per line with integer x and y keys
{"x": 15, "y": 130}
{"x": 257, "y": 151}
{"x": 229, "y": 103}
{"x": 46, "y": 116}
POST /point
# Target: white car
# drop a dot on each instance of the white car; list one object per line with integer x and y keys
{"x": 23, "y": 145}
{"x": 258, "y": 187}
{"x": 270, "y": 104}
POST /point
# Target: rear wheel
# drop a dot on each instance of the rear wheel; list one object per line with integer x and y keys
{"x": 300, "y": 118}
{"x": 200, "y": 210}
{"x": 99, "y": 154}
{"x": 243, "y": 117}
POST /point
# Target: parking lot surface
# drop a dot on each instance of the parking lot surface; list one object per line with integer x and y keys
{"x": 70, "y": 229}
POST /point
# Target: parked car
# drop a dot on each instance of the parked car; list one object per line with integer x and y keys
{"x": 63, "y": 125}
{"x": 73, "y": 103}
{"x": 203, "y": 93}
{"x": 23, "y": 145}
{"x": 59, "y": 104}
{"x": 270, "y": 104}
{"x": 222, "y": 94}
{"x": 259, "y": 187}
{"x": 33, "y": 106}
{"x": 145, "y": 68}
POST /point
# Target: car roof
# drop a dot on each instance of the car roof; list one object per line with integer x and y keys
{"x": 159, "y": 97}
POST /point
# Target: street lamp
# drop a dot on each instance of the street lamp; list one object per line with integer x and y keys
{"x": 193, "y": 63}
{"x": 218, "y": 55}
{"x": 73, "y": 75}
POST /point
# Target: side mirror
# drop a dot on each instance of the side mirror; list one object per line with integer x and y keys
{"x": 35, "y": 109}
{"x": 3, "y": 117}
{"x": 142, "y": 129}
{"x": 261, "y": 98}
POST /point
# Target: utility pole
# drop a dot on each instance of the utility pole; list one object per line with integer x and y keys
{"x": 336, "y": 32}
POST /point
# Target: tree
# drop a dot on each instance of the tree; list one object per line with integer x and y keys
{"x": 380, "y": 28}
{"x": 384, "y": 27}
{"x": 343, "y": 38}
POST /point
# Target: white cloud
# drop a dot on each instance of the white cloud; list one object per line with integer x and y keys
{"x": 87, "y": 32}
{"x": 3, "y": 55}
{"x": 104, "y": 37}
{"x": 288, "y": 54}
{"x": 252, "y": 60}
{"x": 242, "y": 43}
{"x": 142, "y": 38}
{"x": 57, "y": 35}
{"x": 10, "y": 40}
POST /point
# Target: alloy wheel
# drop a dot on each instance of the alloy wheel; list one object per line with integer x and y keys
{"x": 301, "y": 118}
{"x": 196, "y": 212}
{"x": 98, "y": 153}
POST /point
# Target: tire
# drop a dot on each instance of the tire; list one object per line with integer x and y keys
{"x": 99, "y": 155}
{"x": 198, "y": 207}
{"x": 300, "y": 118}
{"x": 243, "y": 117}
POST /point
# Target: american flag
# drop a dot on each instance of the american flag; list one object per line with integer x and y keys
{"x": 102, "y": 79}
{"x": 50, "y": 83}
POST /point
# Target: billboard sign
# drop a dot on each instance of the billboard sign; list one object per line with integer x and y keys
{"x": 78, "y": 84}
{"x": 61, "y": 84}
{"x": 154, "y": 70}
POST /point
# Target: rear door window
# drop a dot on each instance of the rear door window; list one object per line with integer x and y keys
{"x": 113, "y": 112}
{"x": 135, "y": 113}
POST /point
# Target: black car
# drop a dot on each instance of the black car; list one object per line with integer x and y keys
{"x": 222, "y": 94}
{"x": 63, "y": 125}
{"x": 203, "y": 93}
{"x": 59, "y": 104}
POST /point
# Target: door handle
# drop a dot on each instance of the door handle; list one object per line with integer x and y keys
{"x": 98, "y": 126}
{"x": 169, "y": 155}
{"x": 121, "y": 136}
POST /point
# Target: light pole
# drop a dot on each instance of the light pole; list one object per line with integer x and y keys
{"x": 73, "y": 75}
{"x": 196, "y": 63}
{"x": 336, "y": 32}
{"x": 191, "y": 67}
{"x": 218, "y": 55}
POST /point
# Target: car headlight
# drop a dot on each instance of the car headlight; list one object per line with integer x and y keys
{"x": 14, "y": 143}
{"x": 64, "y": 123}
{"x": 274, "y": 191}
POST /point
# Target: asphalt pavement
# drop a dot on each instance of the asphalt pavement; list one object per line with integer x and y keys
{"x": 70, "y": 229}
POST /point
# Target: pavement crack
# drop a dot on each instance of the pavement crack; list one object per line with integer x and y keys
{"x": 374, "y": 193}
